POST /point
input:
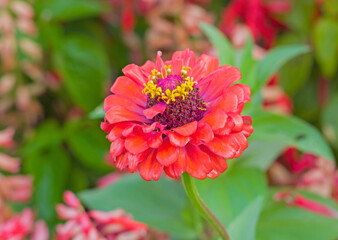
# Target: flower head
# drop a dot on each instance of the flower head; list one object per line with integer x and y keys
{"x": 179, "y": 116}
{"x": 258, "y": 16}
{"x": 96, "y": 225}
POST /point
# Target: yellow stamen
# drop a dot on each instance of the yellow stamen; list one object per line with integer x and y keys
{"x": 181, "y": 91}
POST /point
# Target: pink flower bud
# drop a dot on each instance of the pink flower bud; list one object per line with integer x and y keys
{"x": 9, "y": 164}
{"x": 31, "y": 48}
{"x": 22, "y": 9}
{"x": 71, "y": 199}
{"x": 67, "y": 213}
{"x": 6, "y": 135}
{"x": 41, "y": 231}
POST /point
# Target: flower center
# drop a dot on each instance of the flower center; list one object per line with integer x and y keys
{"x": 184, "y": 103}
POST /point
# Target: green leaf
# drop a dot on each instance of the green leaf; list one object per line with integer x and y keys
{"x": 273, "y": 61}
{"x": 289, "y": 130}
{"x": 220, "y": 42}
{"x": 295, "y": 73}
{"x": 88, "y": 143}
{"x": 246, "y": 220}
{"x": 97, "y": 112}
{"x": 49, "y": 165}
{"x": 325, "y": 39}
{"x": 232, "y": 192}
{"x": 84, "y": 66}
{"x": 260, "y": 154}
{"x": 159, "y": 204}
{"x": 279, "y": 221}
{"x": 68, "y": 10}
{"x": 247, "y": 61}
{"x": 329, "y": 120}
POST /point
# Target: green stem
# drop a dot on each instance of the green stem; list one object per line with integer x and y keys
{"x": 196, "y": 200}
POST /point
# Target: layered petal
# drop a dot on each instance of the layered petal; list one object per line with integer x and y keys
{"x": 187, "y": 129}
{"x": 150, "y": 168}
{"x": 127, "y": 88}
{"x": 198, "y": 162}
{"x": 213, "y": 85}
{"x": 167, "y": 153}
{"x": 154, "y": 110}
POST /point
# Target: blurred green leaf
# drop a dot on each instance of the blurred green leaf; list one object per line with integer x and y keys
{"x": 273, "y": 61}
{"x": 305, "y": 100}
{"x": 279, "y": 221}
{"x": 300, "y": 17}
{"x": 290, "y": 131}
{"x": 325, "y": 39}
{"x": 260, "y": 154}
{"x": 68, "y": 10}
{"x": 97, "y": 113}
{"x": 84, "y": 66}
{"x": 246, "y": 220}
{"x": 247, "y": 61}
{"x": 78, "y": 179}
{"x": 47, "y": 134}
{"x": 158, "y": 204}
{"x": 220, "y": 42}
{"x": 331, "y": 8}
{"x": 88, "y": 143}
{"x": 49, "y": 165}
{"x": 232, "y": 192}
{"x": 295, "y": 73}
{"x": 329, "y": 120}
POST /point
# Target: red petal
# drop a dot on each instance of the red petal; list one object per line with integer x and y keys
{"x": 224, "y": 146}
{"x": 126, "y": 87}
{"x": 242, "y": 91}
{"x": 247, "y": 127}
{"x": 187, "y": 129}
{"x": 155, "y": 140}
{"x": 187, "y": 56}
{"x": 121, "y": 161}
{"x": 215, "y": 119}
{"x": 116, "y": 131}
{"x": 150, "y": 128}
{"x": 112, "y": 100}
{"x": 203, "y": 134}
{"x": 213, "y": 85}
{"x": 237, "y": 120}
{"x": 154, "y": 110}
{"x": 147, "y": 67}
{"x": 136, "y": 74}
{"x": 159, "y": 62}
{"x": 134, "y": 160}
{"x": 213, "y": 174}
{"x": 118, "y": 114}
{"x": 198, "y": 162}
{"x": 227, "y": 103}
{"x": 117, "y": 147}
{"x": 150, "y": 168}
{"x": 205, "y": 65}
{"x": 219, "y": 164}
{"x": 130, "y": 129}
{"x": 177, "y": 168}
{"x": 177, "y": 139}
{"x": 167, "y": 153}
{"x": 176, "y": 66}
{"x": 106, "y": 126}
{"x": 226, "y": 130}
{"x": 243, "y": 143}
{"x": 136, "y": 144}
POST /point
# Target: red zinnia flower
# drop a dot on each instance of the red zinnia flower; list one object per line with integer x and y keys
{"x": 258, "y": 15}
{"x": 179, "y": 115}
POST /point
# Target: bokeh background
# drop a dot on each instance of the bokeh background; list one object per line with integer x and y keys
{"x": 58, "y": 59}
